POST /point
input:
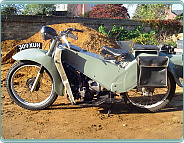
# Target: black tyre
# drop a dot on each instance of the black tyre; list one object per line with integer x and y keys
{"x": 158, "y": 99}
{"x": 19, "y": 81}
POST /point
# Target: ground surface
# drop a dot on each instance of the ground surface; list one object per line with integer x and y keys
{"x": 65, "y": 121}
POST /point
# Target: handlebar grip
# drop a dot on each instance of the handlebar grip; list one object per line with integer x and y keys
{"x": 79, "y": 30}
{"x": 71, "y": 35}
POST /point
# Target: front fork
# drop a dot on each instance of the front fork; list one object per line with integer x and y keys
{"x": 38, "y": 77}
{"x": 41, "y": 70}
{"x": 59, "y": 66}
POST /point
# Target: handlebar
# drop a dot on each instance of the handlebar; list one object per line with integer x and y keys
{"x": 56, "y": 38}
{"x": 68, "y": 33}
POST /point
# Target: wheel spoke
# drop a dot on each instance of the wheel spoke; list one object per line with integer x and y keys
{"x": 38, "y": 97}
{"x": 158, "y": 94}
{"x": 21, "y": 81}
{"x": 150, "y": 98}
{"x": 30, "y": 96}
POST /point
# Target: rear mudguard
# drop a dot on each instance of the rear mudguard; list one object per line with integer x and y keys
{"x": 39, "y": 56}
{"x": 175, "y": 67}
{"x": 172, "y": 69}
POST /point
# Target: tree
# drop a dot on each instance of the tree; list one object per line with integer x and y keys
{"x": 38, "y": 9}
{"x": 116, "y": 11}
{"x": 12, "y": 8}
{"x": 9, "y": 10}
{"x": 73, "y": 10}
{"x": 151, "y": 11}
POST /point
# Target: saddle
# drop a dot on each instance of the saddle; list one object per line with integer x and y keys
{"x": 114, "y": 52}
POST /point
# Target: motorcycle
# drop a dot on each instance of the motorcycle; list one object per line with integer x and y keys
{"x": 144, "y": 78}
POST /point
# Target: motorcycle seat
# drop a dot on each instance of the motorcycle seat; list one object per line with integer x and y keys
{"x": 114, "y": 52}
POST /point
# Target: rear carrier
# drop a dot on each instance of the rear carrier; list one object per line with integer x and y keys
{"x": 152, "y": 71}
{"x": 148, "y": 49}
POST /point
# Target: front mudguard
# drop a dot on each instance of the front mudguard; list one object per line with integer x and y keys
{"x": 39, "y": 56}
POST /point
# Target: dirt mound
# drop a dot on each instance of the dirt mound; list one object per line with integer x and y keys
{"x": 90, "y": 39}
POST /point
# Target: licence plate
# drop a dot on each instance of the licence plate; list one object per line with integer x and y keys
{"x": 29, "y": 46}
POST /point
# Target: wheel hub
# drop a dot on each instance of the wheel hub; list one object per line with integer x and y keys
{"x": 147, "y": 91}
{"x": 30, "y": 83}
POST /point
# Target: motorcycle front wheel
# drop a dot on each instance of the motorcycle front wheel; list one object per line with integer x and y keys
{"x": 19, "y": 81}
{"x": 157, "y": 98}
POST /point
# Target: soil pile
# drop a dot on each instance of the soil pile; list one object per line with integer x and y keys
{"x": 90, "y": 39}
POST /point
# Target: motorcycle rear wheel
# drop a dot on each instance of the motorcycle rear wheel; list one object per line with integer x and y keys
{"x": 159, "y": 99}
{"x": 19, "y": 81}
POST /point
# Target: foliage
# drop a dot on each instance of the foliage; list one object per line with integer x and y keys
{"x": 151, "y": 11}
{"x": 146, "y": 38}
{"x": 28, "y": 9}
{"x": 38, "y": 9}
{"x": 12, "y": 9}
{"x": 86, "y": 14}
{"x": 122, "y": 34}
{"x": 164, "y": 28}
{"x": 179, "y": 17}
{"x": 115, "y": 11}
{"x": 137, "y": 35}
{"x": 102, "y": 30}
{"x": 170, "y": 42}
{"x": 168, "y": 25}
{"x": 9, "y": 10}
{"x": 73, "y": 10}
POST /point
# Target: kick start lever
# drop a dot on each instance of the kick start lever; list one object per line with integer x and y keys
{"x": 110, "y": 103}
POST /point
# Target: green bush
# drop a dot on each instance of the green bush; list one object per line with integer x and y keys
{"x": 171, "y": 42}
{"x": 146, "y": 39}
{"x": 137, "y": 35}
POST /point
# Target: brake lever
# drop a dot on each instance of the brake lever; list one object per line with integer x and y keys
{"x": 73, "y": 29}
{"x": 71, "y": 35}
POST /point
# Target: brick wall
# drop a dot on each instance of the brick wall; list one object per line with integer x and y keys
{"x": 24, "y": 26}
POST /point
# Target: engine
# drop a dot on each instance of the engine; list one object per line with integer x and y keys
{"x": 82, "y": 87}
